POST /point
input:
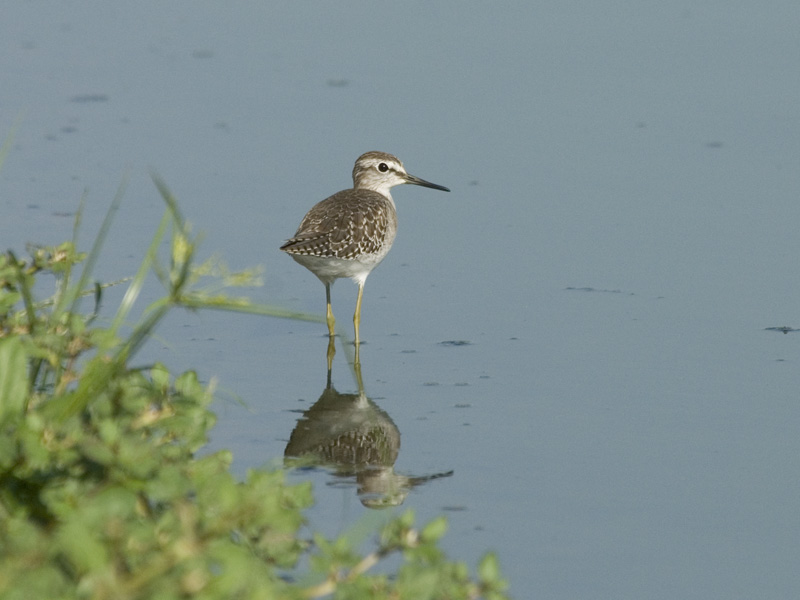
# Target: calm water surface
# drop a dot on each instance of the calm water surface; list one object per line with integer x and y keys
{"x": 577, "y": 332}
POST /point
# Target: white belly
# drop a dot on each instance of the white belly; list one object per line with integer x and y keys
{"x": 328, "y": 269}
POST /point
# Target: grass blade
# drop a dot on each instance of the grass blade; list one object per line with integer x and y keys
{"x": 73, "y": 295}
{"x": 135, "y": 288}
{"x": 6, "y": 147}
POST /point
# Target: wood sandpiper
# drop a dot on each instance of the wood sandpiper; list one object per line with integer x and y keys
{"x": 351, "y": 232}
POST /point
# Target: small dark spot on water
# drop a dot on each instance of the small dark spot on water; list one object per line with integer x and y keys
{"x": 453, "y": 508}
{"x": 455, "y": 343}
{"x": 87, "y": 98}
{"x": 408, "y": 352}
{"x": 462, "y": 384}
{"x": 32, "y": 206}
{"x": 430, "y": 384}
{"x": 714, "y": 144}
{"x": 202, "y": 54}
{"x": 69, "y": 129}
{"x": 601, "y": 290}
{"x": 462, "y": 405}
{"x": 784, "y": 329}
{"x": 63, "y": 214}
{"x": 307, "y": 469}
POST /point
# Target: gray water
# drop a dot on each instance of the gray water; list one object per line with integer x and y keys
{"x": 579, "y": 331}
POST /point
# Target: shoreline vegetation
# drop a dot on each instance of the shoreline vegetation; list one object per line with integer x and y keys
{"x": 101, "y": 494}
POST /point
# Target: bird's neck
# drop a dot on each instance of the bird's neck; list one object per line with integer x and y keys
{"x": 383, "y": 190}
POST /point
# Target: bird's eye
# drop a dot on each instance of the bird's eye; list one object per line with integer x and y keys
{"x": 383, "y": 167}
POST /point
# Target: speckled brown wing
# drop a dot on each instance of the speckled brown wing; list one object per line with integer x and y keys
{"x": 345, "y": 225}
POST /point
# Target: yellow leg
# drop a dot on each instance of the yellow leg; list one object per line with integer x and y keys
{"x": 329, "y": 314}
{"x": 357, "y": 369}
{"x": 331, "y": 354}
{"x": 357, "y": 316}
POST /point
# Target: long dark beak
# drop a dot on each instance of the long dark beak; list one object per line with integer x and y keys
{"x": 417, "y": 181}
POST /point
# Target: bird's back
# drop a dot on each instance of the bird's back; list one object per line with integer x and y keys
{"x": 348, "y": 225}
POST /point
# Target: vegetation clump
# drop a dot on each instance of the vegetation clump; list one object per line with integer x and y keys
{"x": 102, "y": 495}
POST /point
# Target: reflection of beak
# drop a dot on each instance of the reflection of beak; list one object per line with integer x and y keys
{"x": 417, "y": 181}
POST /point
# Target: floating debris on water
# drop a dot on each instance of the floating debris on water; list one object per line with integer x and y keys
{"x": 781, "y": 329}
{"x": 591, "y": 289}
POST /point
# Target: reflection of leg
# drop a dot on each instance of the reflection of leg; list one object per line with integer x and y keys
{"x": 331, "y": 352}
{"x": 357, "y": 369}
{"x": 329, "y": 315}
{"x": 357, "y": 316}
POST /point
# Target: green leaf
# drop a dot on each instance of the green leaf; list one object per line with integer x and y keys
{"x": 13, "y": 379}
{"x": 98, "y": 374}
{"x": 160, "y": 377}
{"x": 489, "y": 569}
{"x": 434, "y": 530}
{"x": 80, "y": 546}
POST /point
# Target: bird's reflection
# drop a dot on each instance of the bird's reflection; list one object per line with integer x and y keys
{"x": 356, "y": 439}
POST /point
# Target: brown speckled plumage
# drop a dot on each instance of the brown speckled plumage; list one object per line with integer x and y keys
{"x": 346, "y": 225}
